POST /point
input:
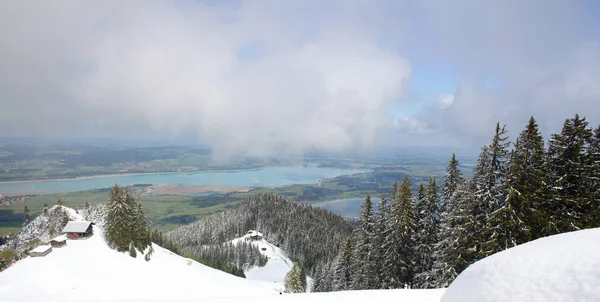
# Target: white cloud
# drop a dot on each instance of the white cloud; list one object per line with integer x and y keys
{"x": 270, "y": 77}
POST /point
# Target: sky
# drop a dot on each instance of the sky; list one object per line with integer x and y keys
{"x": 282, "y": 77}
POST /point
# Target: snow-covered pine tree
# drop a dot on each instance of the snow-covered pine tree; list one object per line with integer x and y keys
{"x": 593, "y": 216}
{"x": 444, "y": 268}
{"x": 363, "y": 264}
{"x": 381, "y": 244}
{"x": 293, "y": 280}
{"x": 343, "y": 275}
{"x": 568, "y": 173}
{"x": 399, "y": 256}
{"x": 141, "y": 234}
{"x": 527, "y": 187}
{"x": 427, "y": 235}
{"x": 491, "y": 193}
{"x": 118, "y": 220}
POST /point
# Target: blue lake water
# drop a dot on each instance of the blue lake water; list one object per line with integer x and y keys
{"x": 265, "y": 177}
{"x": 343, "y": 207}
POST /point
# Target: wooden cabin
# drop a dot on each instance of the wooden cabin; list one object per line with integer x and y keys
{"x": 254, "y": 235}
{"x": 59, "y": 241}
{"x": 40, "y": 251}
{"x": 78, "y": 229}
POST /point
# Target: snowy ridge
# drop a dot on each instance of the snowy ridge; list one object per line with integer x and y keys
{"x": 564, "y": 267}
{"x": 45, "y": 226}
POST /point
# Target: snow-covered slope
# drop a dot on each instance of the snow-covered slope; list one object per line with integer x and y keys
{"x": 277, "y": 266}
{"x": 45, "y": 226}
{"x": 563, "y": 268}
{"x": 88, "y": 270}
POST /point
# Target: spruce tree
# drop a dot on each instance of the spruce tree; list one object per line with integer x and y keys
{"x": 381, "y": 244}
{"x": 118, "y": 220}
{"x": 343, "y": 275}
{"x": 491, "y": 194}
{"x": 427, "y": 235}
{"x": 400, "y": 253}
{"x": 294, "y": 282}
{"x": 593, "y": 216}
{"x": 363, "y": 263}
{"x": 26, "y": 214}
{"x": 569, "y": 177}
{"x": 445, "y": 268}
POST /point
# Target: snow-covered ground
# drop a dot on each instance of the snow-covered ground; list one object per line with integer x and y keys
{"x": 276, "y": 268}
{"x": 88, "y": 270}
{"x": 563, "y": 268}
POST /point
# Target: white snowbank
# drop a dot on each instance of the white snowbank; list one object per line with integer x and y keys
{"x": 563, "y": 268}
{"x": 88, "y": 270}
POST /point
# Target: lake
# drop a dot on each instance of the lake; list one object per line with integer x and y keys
{"x": 265, "y": 177}
{"x": 344, "y": 207}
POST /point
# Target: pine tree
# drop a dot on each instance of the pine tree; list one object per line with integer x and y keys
{"x": 294, "y": 281}
{"x": 342, "y": 278}
{"x": 118, "y": 220}
{"x": 381, "y": 244}
{"x": 528, "y": 189}
{"x": 569, "y": 177}
{"x": 363, "y": 263}
{"x": 141, "y": 235}
{"x": 400, "y": 252}
{"x": 427, "y": 235}
{"x": 445, "y": 269}
{"x": 593, "y": 216}
{"x": 26, "y": 214}
{"x": 491, "y": 194}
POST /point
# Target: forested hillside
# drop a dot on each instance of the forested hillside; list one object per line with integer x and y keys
{"x": 308, "y": 235}
{"x": 519, "y": 192}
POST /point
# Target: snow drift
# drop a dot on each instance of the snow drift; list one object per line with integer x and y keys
{"x": 563, "y": 268}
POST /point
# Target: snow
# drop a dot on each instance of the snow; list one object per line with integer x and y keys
{"x": 59, "y": 238}
{"x": 563, "y": 267}
{"x": 41, "y": 249}
{"x": 277, "y": 266}
{"x": 76, "y": 226}
{"x": 88, "y": 270}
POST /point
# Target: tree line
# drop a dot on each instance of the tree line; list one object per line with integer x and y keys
{"x": 518, "y": 193}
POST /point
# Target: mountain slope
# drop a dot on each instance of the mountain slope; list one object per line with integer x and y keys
{"x": 88, "y": 270}
{"x": 306, "y": 234}
{"x": 564, "y": 267}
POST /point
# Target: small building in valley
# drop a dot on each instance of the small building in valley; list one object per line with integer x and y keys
{"x": 78, "y": 229}
{"x": 254, "y": 235}
{"x": 59, "y": 241}
{"x": 41, "y": 251}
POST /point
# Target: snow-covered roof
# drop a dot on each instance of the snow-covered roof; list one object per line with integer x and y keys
{"x": 41, "y": 249}
{"x": 59, "y": 238}
{"x": 254, "y": 233}
{"x": 76, "y": 226}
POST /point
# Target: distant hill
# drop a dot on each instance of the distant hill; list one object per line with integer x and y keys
{"x": 307, "y": 234}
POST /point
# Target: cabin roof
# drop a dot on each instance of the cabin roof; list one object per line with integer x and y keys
{"x": 254, "y": 233}
{"x": 77, "y": 226}
{"x": 41, "y": 249}
{"x": 59, "y": 238}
